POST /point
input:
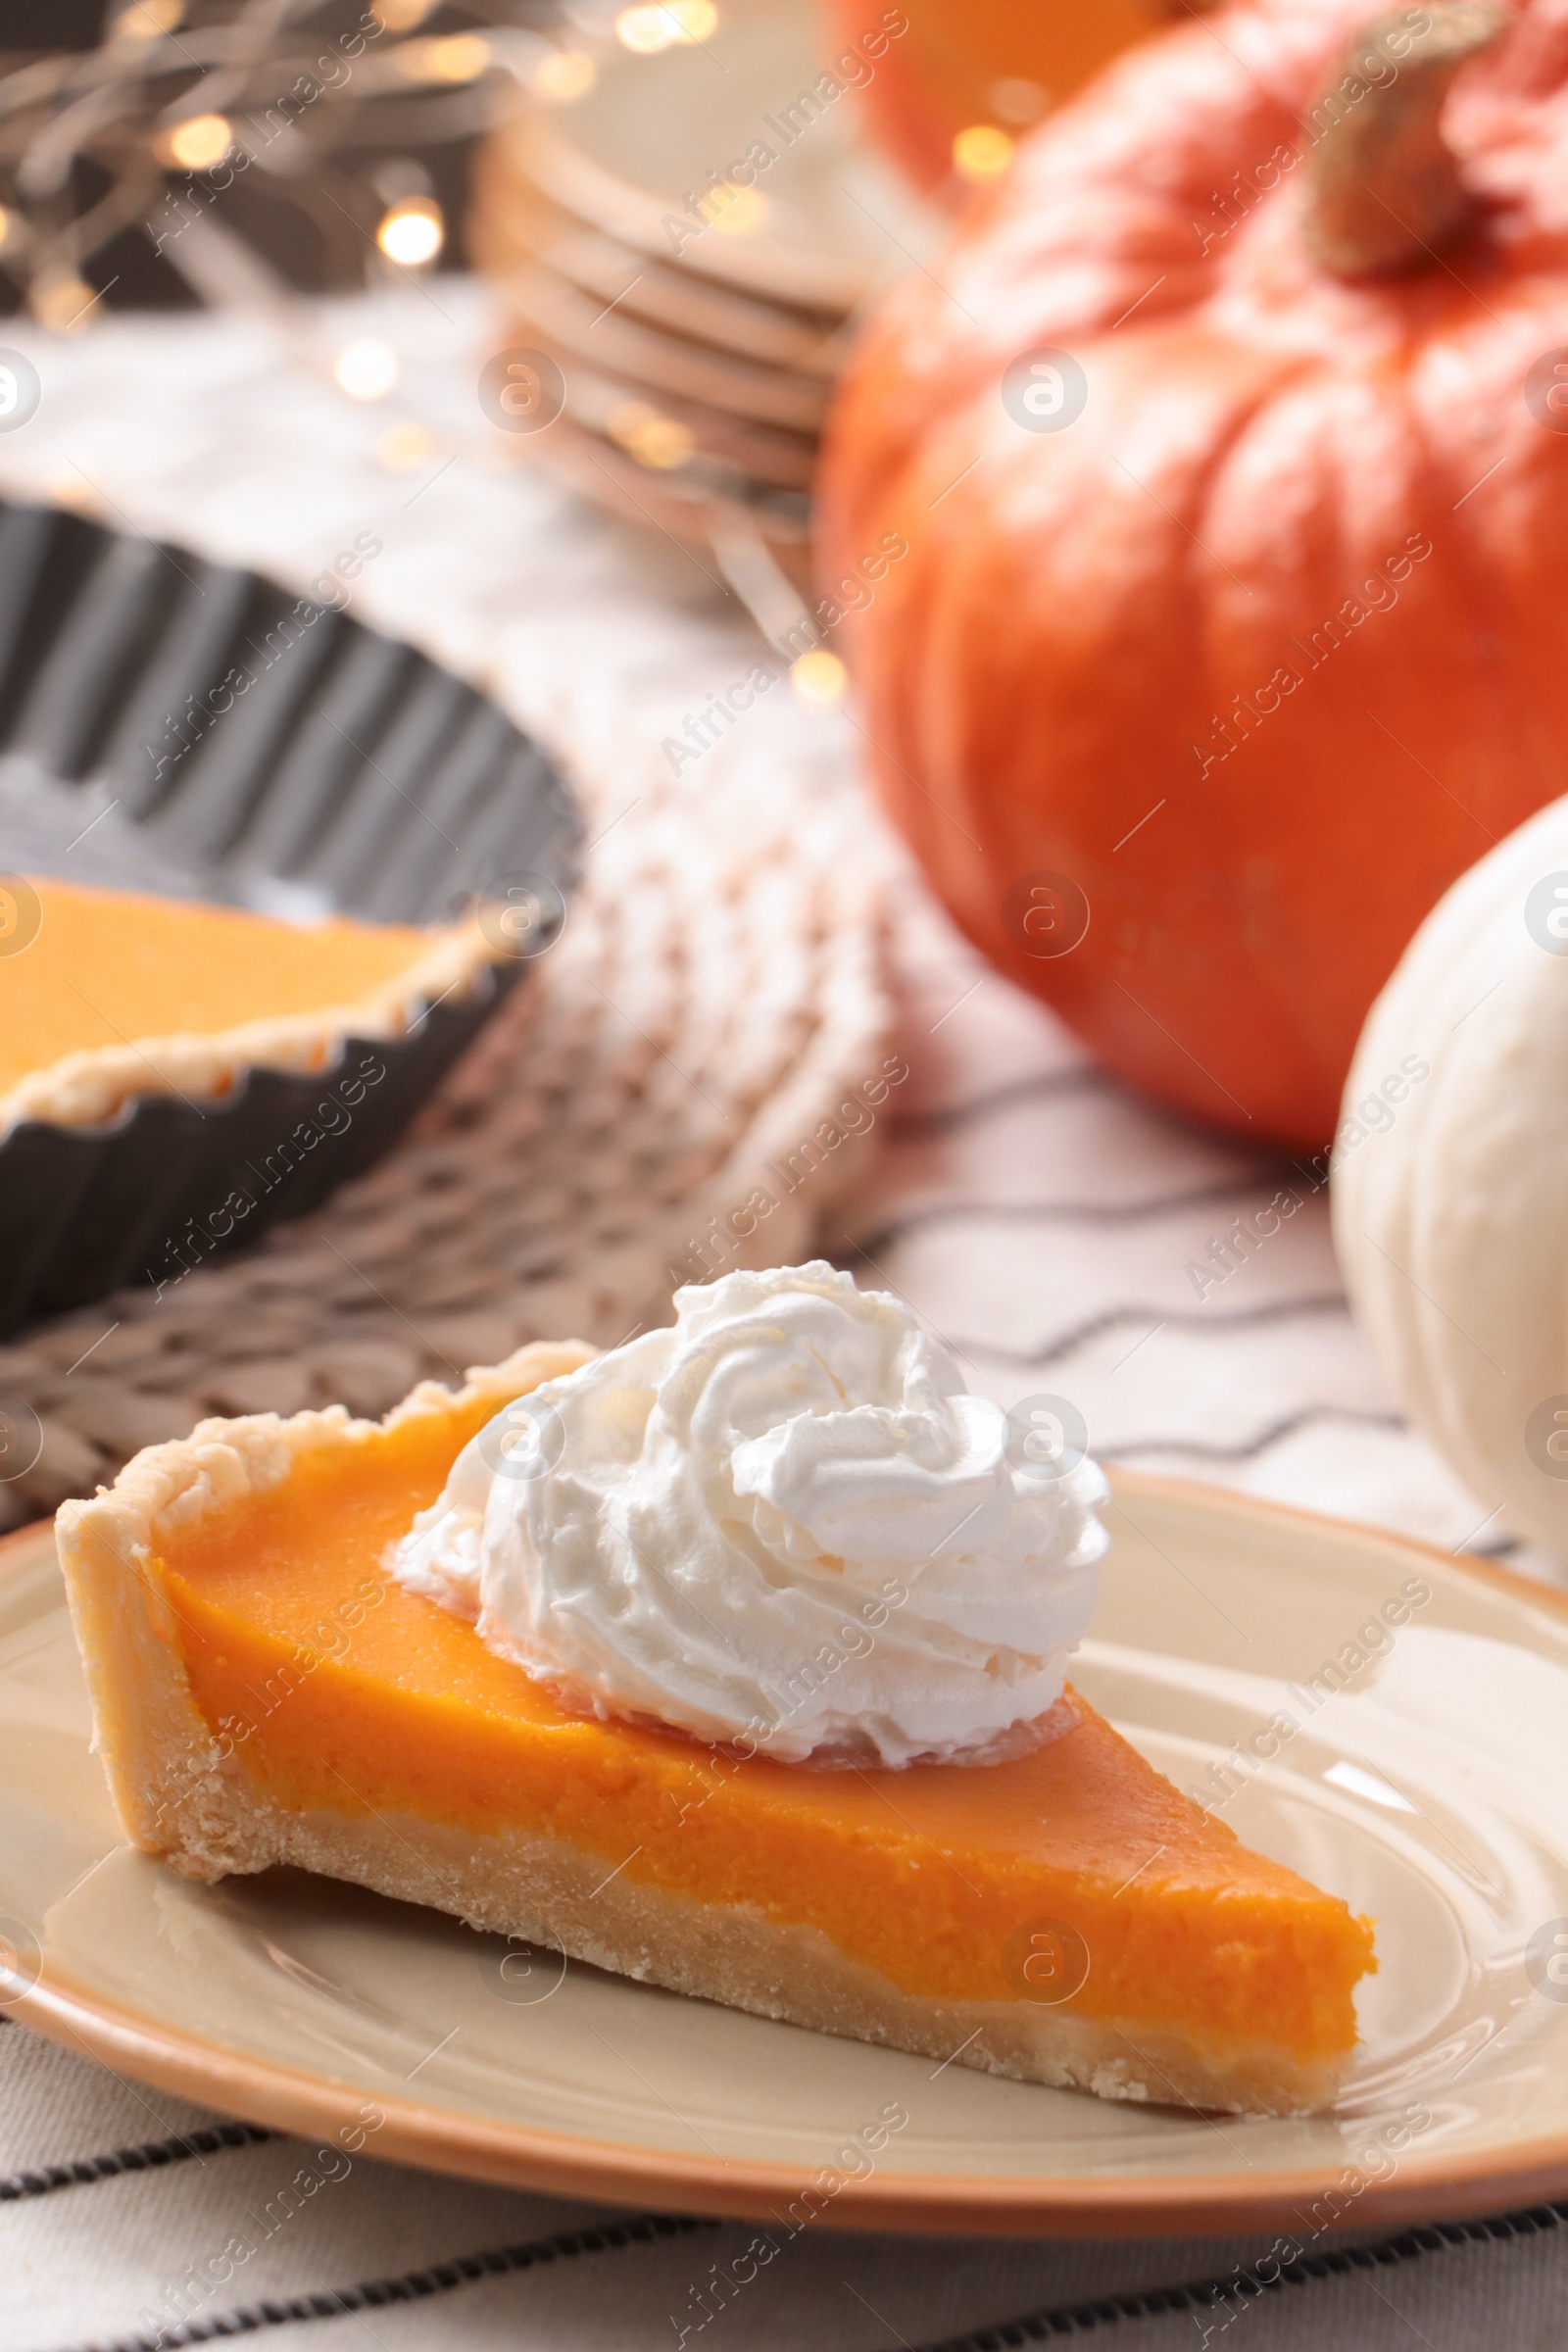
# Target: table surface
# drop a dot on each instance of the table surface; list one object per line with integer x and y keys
{"x": 1033, "y": 1212}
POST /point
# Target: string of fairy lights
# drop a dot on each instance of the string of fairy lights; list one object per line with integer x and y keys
{"x": 299, "y": 122}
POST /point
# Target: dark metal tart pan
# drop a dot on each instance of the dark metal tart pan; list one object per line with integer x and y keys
{"x": 172, "y": 725}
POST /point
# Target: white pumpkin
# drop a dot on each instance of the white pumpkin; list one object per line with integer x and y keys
{"x": 1450, "y": 1179}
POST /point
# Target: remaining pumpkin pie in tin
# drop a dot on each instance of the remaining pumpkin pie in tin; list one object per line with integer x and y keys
{"x": 106, "y": 995}
{"x": 268, "y": 1688}
{"x": 177, "y": 1076}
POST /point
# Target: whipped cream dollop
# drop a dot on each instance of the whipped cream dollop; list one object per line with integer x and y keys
{"x": 783, "y": 1523}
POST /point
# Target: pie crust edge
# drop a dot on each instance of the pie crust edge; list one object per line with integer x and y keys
{"x": 92, "y": 1086}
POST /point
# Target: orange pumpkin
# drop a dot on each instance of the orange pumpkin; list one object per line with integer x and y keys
{"x": 1002, "y": 62}
{"x": 1230, "y": 443}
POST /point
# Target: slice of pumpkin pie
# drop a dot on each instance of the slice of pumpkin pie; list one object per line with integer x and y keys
{"x": 733, "y": 1660}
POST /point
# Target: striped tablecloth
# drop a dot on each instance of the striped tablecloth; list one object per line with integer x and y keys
{"x": 1045, "y": 1222}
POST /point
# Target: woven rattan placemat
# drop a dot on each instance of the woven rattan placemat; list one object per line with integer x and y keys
{"x": 698, "y": 1045}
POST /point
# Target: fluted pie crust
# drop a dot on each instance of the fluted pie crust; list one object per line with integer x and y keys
{"x": 114, "y": 998}
{"x": 263, "y": 1693}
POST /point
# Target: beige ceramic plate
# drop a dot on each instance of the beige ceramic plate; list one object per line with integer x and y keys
{"x": 511, "y": 225}
{"x": 595, "y": 397}
{"x": 582, "y": 328}
{"x": 834, "y": 226}
{"x": 1431, "y": 1793}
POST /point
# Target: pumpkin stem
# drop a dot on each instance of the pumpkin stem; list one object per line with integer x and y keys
{"x": 1384, "y": 193}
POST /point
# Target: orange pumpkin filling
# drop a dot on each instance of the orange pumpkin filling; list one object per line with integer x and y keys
{"x": 339, "y": 1689}
{"x": 108, "y": 968}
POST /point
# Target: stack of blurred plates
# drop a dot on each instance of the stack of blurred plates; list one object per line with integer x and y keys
{"x": 688, "y": 240}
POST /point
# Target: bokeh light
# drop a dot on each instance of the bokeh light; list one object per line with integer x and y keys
{"x": 365, "y": 369}
{"x": 196, "y": 144}
{"x": 146, "y": 19}
{"x": 454, "y": 56}
{"x": 565, "y": 74}
{"x": 401, "y": 16}
{"x": 62, "y": 300}
{"x": 402, "y": 447}
{"x": 412, "y": 231}
{"x": 820, "y": 677}
{"x": 659, "y": 25}
{"x": 982, "y": 151}
{"x": 650, "y": 436}
{"x": 736, "y": 211}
